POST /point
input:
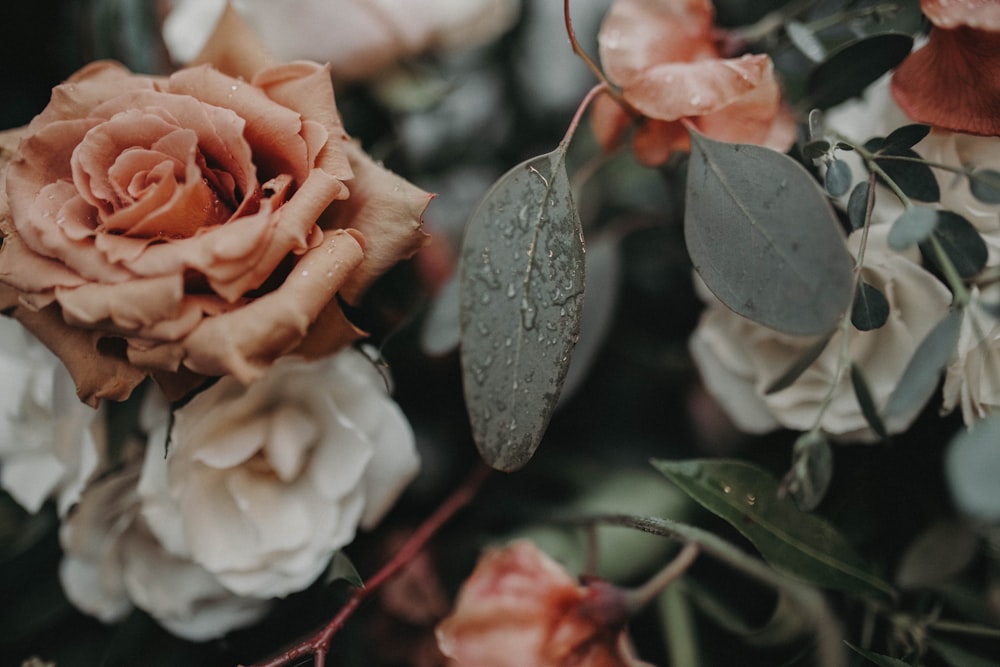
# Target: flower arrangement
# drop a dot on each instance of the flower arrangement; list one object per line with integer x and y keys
{"x": 709, "y": 376}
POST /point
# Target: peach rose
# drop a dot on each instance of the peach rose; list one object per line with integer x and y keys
{"x": 665, "y": 58}
{"x": 195, "y": 225}
{"x": 519, "y": 607}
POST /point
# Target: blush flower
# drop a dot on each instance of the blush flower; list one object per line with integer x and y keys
{"x": 195, "y": 225}
{"x": 664, "y": 57}
{"x": 953, "y": 81}
{"x": 519, "y": 607}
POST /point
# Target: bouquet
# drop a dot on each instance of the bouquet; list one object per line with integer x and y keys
{"x": 693, "y": 357}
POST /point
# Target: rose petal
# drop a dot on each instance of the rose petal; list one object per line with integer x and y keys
{"x": 656, "y": 140}
{"x": 982, "y": 14}
{"x": 932, "y": 84}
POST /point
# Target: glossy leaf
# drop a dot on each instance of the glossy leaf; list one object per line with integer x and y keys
{"x": 923, "y": 371}
{"x": 838, "y": 178}
{"x": 816, "y": 149}
{"x": 962, "y": 243}
{"x": 907, "y": 136}
{"x": 878, "y": 658}
{"x": 800, "y": 365}
{"x": 764, "y": 239}
{"x": 867, "y": 402}
{"x": 521, "y": 296}
{"x": 913, "y": 226}
{"x": 915, "y": 179}
{"x": 797, "y": 542}
{"x": 848, "y": 70}
{"x": 857, "y": 205}
{"x": 812, "y": 469}
{"x": 870, "y": 309}
{"x": 985, "y": 185}
{"x": 972, "y": 467}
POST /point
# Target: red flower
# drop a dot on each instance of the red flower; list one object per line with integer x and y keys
{"x": 953, "y": 82}
{"x": 664, "y": 56}
{"x": 519, "y": 607}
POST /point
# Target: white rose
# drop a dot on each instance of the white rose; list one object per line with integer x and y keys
{"x": 357, "y": 37}
{"x": 972, "y": 380}
{"x": 739, "y": 359}
{"x": 113, "y": 562}
{"x": 50, "y": 443}
{"x": 262, "y": 484}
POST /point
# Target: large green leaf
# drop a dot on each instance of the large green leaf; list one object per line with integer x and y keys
{"x": 521, "y": 296}
{"x": 800, "y": 543}
{"x": 764, "y": 239}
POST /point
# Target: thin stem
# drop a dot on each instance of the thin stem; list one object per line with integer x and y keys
{"x": 318, "y": 644}
{"x": 637, "y": 598}
{"x": 578, "y": 50}
{"x": 965, "y": 628}
{"x": 578, "y": 115}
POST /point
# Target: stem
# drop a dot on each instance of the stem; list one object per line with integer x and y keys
{"x": 592, "y": 66}
{"x": 965, "y": 628}
{"x": 770, "y": 22}
{"x": 318, "y": 644}
{"x": 637, "y": 598}
{"x": 578, "y": 115}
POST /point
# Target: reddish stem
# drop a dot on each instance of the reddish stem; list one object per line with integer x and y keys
{"x": 319, "y": 643}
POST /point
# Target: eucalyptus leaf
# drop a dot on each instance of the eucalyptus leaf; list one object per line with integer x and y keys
{"x": 913, "y": 226}
{"x": 985, "y": 185}
{"x": 838, "y": 178}
{"x": 812, "y": 469}
{"x": 907, "y": 136}
{"x": 870, "y": 309}
{"x": 972, "y": 467}
{"x": 961, "y": 242}
{"x": 816, "y": 149}
{"x": 848, "y": 70}
{"x": 923, "y": 371}
{"x": 857, "y": 205}
{"x": 764, "y": 239}
{"x": 521, "y": 297}
{"x": 797, "y": 542}
{"x": 877, "y": 658}
{"x": 867, "y": 402}
{"x": 915, "y": 179}
{"x": 799, "y": 366}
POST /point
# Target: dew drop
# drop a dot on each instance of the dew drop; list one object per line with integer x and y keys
{"x": 726, "y": 488}
{"x": 751, "y": 499}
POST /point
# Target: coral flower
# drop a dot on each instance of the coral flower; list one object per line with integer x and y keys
{"x": 953, "y": 82}
{"x": 664, "y": 56}
{"x": 519, "y": 607}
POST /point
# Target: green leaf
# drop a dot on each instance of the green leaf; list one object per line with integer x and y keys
{"x": 848, "y": 70}
{"x": 985, "y": 185}
{"x": 915, "y": 179}
{"x": 907, "y": 136}
{"x": 799, "y": 366}
{"x": 342, "y": 569}
{"x": 521, "y": 296}
{"x": 799, "y": 543}
{"x": 923, "y": 371}
{"x": 972, "y": 467}
{"x": 838, "y": 178}
{"x": 812, "y": 469}
{"x": 867, "y": 402}
{"x": 764, "y": 239}
{"x": 913, "y": 226}
{"x": 870, "y": 309}
{"x": 877, "y": 658}
{"x": 815, "y": 149}
{"x": 961, "y": 241}
{"x": 857, "y": 205}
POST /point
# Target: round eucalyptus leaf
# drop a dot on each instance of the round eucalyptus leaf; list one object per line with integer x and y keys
{"x": 857, "y": 205}
{"x": 838, "y": 178}
{"x": 972, "y": 468}
{"x": 962, "y": 243}
{"x": 870, "y": 309}
{"x": 913, "y": 226}
{"x": 915, "y": 179}
{"x": 985, "y": 185}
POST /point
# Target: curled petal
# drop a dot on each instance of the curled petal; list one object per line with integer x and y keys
{"x": 933, "y": 84}
{"x": 639, "y": 34}
{"x": 982, "y": 14}
{"x": 655, "y": 140}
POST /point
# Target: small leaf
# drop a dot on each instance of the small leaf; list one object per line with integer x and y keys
{"x": 913, "y": 226}
{"x": 816, "y": 125}
{"x": 816, "y": 149}
{"x": 962, "y": 243}
{"x": 923, "y": 371}
{"x": 756, "y": 220}
{"x": 802, "y": 544}
{"x": 915, "y": 179}
{"x": 866, "y": 402}
{"x": 877, "y": 658}
{"x": 342, "y": 569}
{"x": 812, "y": 469}
{"x": 847, "y": 71}
{"x": 985, "y": 185}
{"x": 870, "y": 309}
{"x": 838, "y": 178}
{"x": 972, "y": 467}
{"x": 521, "y": 296}
{"x": 844, "y": 147}
{"x": 800, "y": 365}
{"x": 907, "y": 136}
{"x": 857, "y": 205}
